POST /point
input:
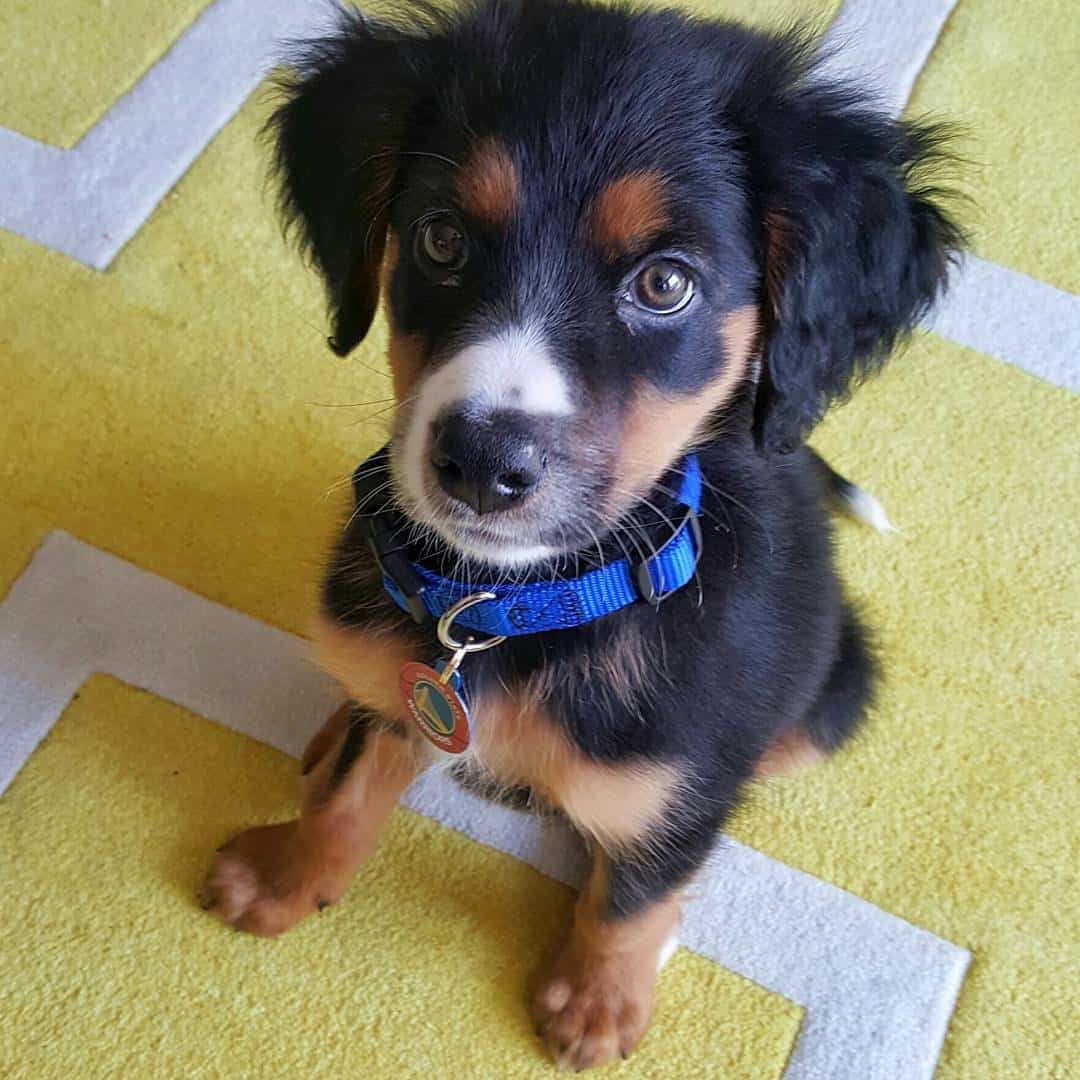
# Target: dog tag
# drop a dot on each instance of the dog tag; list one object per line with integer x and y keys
{"x": 435, "y": 698}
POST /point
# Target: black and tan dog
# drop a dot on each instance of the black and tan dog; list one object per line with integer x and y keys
{"x": 628, "y": 260}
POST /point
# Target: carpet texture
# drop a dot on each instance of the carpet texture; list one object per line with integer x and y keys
{"x": 421, "y": 974}
{"x": 878, "y": 992}
{"x": 1008, "y": 74}
{"x": 66, "y": 63}
{"x": 181, "y": 411}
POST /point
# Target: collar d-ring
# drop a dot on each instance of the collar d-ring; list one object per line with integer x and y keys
{"x": 470, "y": 644}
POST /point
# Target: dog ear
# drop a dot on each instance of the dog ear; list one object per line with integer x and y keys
{"x": 346, "y": 108}
{"x": 856, "y": 244}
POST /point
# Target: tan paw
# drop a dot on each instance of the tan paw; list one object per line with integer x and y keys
{"x": 262, "y": 883}
{"x": 589, "y": 1016}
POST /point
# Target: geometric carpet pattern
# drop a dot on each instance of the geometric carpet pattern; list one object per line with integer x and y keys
{"x": 169, "y": 399}
{"x": 877, "y": 991}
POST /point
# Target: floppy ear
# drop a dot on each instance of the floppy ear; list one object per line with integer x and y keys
{"x": 347, "y": 104}
{"x": 856, "y": 246}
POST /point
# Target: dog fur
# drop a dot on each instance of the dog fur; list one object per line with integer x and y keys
{"x": 513, "y": 177}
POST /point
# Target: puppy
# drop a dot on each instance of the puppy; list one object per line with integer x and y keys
{"x": 627, "y": 259}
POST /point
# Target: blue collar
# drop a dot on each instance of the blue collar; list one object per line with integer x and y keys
{"x": 520, "y": 609}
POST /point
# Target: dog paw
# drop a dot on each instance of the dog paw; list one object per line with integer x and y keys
{"x": 593, "y": 1016}
{"x": 258, "y": 884}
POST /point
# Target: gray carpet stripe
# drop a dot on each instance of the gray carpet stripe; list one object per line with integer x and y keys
{"x": 885, "y": 45}
{"x": 1014, "y": 318}
{"x": 88, "y": 202}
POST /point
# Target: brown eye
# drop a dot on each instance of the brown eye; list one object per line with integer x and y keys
{"x": 440, "y": 245}
{"x": 663, "y": 287}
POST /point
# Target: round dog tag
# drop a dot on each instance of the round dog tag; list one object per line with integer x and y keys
{"x": 438, "y": 708}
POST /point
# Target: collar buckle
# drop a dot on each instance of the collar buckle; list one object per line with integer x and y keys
{"x": 377, "y": 529}
{"x": 397, "y": 570}
{"x": 641, "y": 573}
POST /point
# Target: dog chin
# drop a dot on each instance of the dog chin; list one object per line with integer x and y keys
{"x": 499, "y": 553}
{"x": 480, "y": 544}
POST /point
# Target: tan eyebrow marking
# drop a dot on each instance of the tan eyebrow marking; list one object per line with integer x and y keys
{"x": 628, "y": 213}
{"x": 488, "y": 183}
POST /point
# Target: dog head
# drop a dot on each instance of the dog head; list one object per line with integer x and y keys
{"x": 600, "y": 237}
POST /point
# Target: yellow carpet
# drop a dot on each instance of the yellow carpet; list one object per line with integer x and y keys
{"x": 1009, "y": 73}
{"x": 176, "y": 410}
{"x": 65, "y": 63}
{"x": 422, "y": 973}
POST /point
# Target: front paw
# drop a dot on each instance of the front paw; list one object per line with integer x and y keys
{"x": 590, "y": 1012}
{"x": 257, "y": 883}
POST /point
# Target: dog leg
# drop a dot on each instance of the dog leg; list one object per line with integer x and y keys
{"x": 267, "y": 879}
{"x": 326, "y": 738}
{"x": 596, "y": 1004}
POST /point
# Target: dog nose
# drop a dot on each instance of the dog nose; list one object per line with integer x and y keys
{"x": 489, "y": 463}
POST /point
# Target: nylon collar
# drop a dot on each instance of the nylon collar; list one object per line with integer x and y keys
{"x": 520, "y": 609}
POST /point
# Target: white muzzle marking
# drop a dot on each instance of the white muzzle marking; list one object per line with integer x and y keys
{"x": 512, "y": 369}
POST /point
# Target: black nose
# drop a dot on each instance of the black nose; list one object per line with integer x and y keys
{"x": 490, "y": 463}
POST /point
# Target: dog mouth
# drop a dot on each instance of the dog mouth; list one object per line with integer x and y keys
{"x": 516, "y": 538}
{"x": 502, "y": 550}
{"x": 538, "y": 531}
{"x": 577, "y": 522}
{"x": 494, "y": 490}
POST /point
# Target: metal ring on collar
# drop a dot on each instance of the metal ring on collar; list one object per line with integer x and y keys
{"x": 469, "y": 645}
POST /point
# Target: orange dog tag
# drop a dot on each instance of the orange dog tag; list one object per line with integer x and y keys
{"x": 436, "y": 701}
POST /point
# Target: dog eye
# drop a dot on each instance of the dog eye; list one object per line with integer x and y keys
{"x": 663, "y": 287}
{"x": 440, "y": 246}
